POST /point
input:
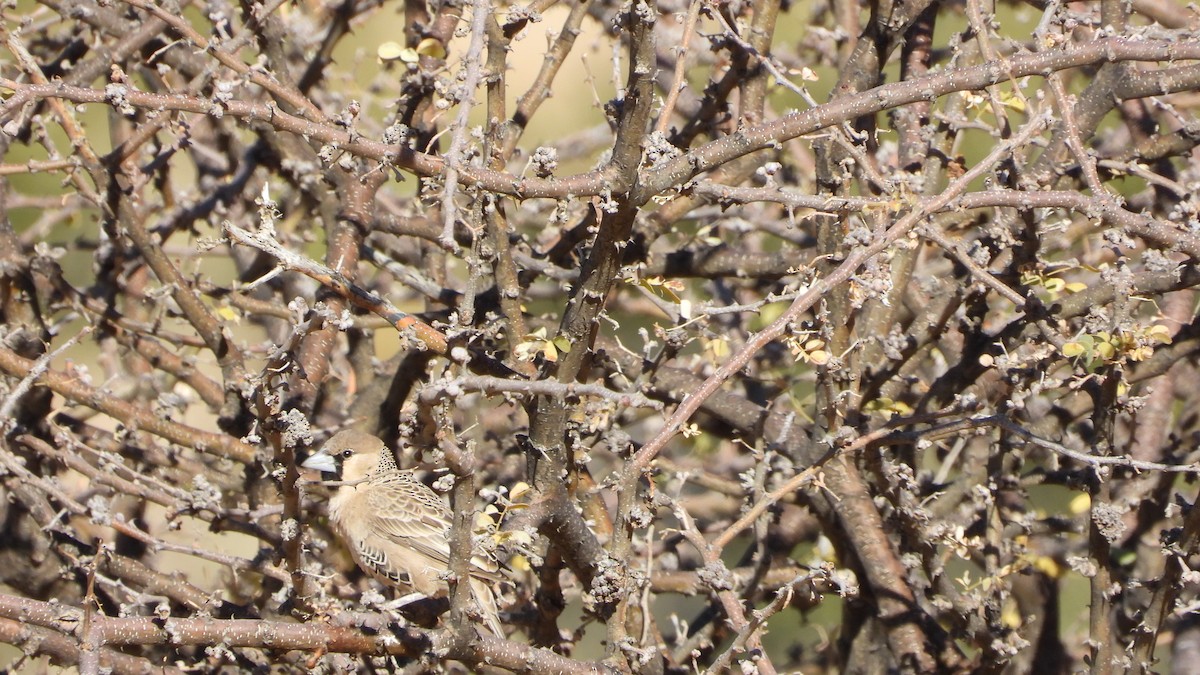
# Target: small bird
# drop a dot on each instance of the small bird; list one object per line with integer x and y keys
{"x": 397, "y": 529}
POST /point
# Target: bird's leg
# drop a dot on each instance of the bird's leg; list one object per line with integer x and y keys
{"x": 402, "y": 601}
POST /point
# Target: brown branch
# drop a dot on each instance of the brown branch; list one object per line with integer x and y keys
{"x": 431, "y": 338}
{"x": 841, "y": 274}
{"x": 889, "y": 96}
{"x": 562, "y": 390}
{"x": 310, "y": 636}
{"x": 129, "y": 414}
{"x": 64, "y": 651}
{"x": 675, "y": 172}
{"x": 730, "y": 602}
{"x": 281, "y": 92}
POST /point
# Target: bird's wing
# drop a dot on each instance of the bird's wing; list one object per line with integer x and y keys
{"x": 411, "y": 522}
{"x": 375, "y": 560}
{"x": 421, "y": 521}
{"x": 353, "y": 512}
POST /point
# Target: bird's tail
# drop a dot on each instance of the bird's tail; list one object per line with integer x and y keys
{"x": 485, "y": 597}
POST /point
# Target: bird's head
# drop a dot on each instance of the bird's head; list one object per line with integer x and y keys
{"x": 350, "y": 456}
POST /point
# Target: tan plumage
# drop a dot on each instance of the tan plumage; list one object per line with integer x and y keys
{"x": 397, "y": 529}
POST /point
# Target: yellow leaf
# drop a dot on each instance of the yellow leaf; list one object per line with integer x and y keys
{"x": 888, "y": 406}
{"x": 482, "y": 522}
{"x": 820, "y": 357}
{"x": 394, "y": 51}
{"x": 663, "y": 288}
{"x": 562, "y": 343}
{"x": 717, "y": 347}
{"x": 230, "y": 314}
{"x": 1159, "y": 333}
{"x": 1013, "y": 101}
{"x": 877, "y": 404}
{"x": 1010, "y": 616}
{"x": 389, "y": 51}
{"x": 1048, "y": 566}
{"x": 1140, "y": 353}
{"x": 771, "y": 312}
{"x": 519, "y": 490}
{"x": 516, "y": 537}
{"x": 431, "y": 47}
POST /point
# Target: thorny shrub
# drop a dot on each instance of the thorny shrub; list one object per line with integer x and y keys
{"x": 785, "y": 336}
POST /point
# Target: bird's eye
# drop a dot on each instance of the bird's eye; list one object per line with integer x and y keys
{"x": 346, "y": 453}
